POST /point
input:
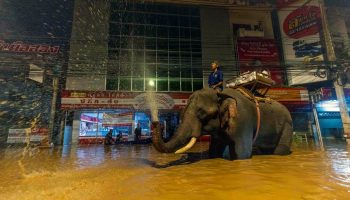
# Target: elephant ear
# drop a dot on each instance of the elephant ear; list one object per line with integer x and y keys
{"x": 228, "y": 112}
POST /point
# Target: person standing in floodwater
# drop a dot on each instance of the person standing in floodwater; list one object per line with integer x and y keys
{"x": 216, "y": 77}
{"x": 137, "y": 132}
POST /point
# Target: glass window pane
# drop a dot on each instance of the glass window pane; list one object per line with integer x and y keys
{"x": 197, "y": 72}
{"x": 184, "y": 21}
{"x": 126, "y": 42}
{"x": 137, "y": 84}
{"x": 174, "y": 32}
{"x": 151, "y": 43}
{"x": 195, "y": 34}
{"x": 150, "y": 71}
{"x": 139, "y": 30}
{"x": 114, "y": 28}
{"x": 174, "y": 84}
{"x": 162, "y": 32}
{"x": 174, "y": 45}
{"x": 139, "y": 18}
{"x": 162, "y": 84}
{"x": 151, "y": 56}
{"x": 162, "y": 20}
{"x": 113, "y": 68}
{"x": 186, "y": 85}
{"x": 173, "y": 20}
{"x": 195, "y": 22}
{"x": 139, "y": 42}
{"x": 185, "y": 45}
{"x": 185, "y": 72}
{"x": 185, "y": 33}
{"x": 174, "y": 58}
{"x": 125, "y": 69}
{"x": 112, "y": 84}
{"x": 125, "y": 84}
{"x": 162, "y": 57}
{"x": 138, "y": 70}
{"x": 162, "y": 44}
{"x": 162, "y": 71}
{"x": 150, "y": 31}
{"x": 150, "y": 84}
{"x": 197, "y": 84}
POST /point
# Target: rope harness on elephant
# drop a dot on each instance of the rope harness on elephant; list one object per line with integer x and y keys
{"x": 251, "y": 96}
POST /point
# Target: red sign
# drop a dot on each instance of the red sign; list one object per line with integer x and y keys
{"x": 20, "y": 46}
{"x": 250, "y": 49}
{"x": 260, "y": 54}
{"x": 302, "y": 22}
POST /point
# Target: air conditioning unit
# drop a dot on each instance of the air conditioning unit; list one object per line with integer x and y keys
{"x": 250, "y": 33}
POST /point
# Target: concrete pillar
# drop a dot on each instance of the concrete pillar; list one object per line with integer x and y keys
{"x": 87, "y": 65}
{"x": 217, "y": 42}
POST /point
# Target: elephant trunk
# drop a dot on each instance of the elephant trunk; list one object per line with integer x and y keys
{"x": 177, "y": 144}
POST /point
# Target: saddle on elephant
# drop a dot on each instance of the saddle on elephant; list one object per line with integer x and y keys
{"x": 257, "y": 82}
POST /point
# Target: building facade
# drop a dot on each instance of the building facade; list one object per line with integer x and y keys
{"x": 122, "y": 50}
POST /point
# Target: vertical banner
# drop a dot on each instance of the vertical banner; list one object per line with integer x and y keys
{"x": 301, "y": 23}
{"x": 260, "y": 54}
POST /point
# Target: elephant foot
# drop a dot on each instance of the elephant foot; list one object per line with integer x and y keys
{"x": 282, "y": 150}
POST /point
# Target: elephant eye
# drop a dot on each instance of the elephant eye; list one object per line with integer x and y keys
{"x": 201, "y": 114}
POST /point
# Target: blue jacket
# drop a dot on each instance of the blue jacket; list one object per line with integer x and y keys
{"x": 215, "y": 78}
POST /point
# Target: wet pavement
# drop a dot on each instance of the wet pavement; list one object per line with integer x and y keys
{"x": 139, "y": 172}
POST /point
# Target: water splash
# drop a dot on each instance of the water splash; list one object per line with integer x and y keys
{"x": 152, "y": 102}
{"x": 27, "y": 149}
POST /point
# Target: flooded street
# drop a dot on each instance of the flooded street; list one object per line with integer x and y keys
{"x": 135, "y": 172}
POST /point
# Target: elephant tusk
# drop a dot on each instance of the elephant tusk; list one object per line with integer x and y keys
{"x": 187, "y": 147}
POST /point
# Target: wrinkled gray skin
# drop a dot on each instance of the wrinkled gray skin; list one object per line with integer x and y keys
{"x": 207, "y": 113}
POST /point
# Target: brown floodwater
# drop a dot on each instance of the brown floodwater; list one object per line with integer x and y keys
{"x": 139, "y": 172}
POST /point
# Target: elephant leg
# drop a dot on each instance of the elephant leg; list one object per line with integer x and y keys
{"x": 242, "y": 148}
{"x": 283, "y": 147}
{"x": 216, "y": 148}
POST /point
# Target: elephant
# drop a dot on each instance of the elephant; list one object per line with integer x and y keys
{"x": 231, "y": 118}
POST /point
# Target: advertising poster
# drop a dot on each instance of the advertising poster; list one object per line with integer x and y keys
{"x": 300, "y": 23}
{"x": 260, "y": 54}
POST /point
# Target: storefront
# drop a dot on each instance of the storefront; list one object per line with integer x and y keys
{"x": 328, "y": 112}
{"x": 95, "y": 113}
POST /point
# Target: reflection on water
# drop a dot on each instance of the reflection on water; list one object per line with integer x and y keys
{"x": 128, "y": 172}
